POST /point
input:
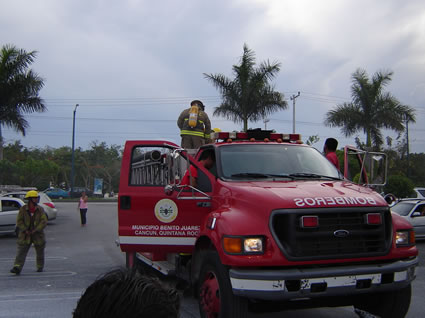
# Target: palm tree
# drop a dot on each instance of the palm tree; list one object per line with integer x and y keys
{"x": 371, "y": 109}
{"x": 19, "y": 88}
{"x": 249, "y": 96}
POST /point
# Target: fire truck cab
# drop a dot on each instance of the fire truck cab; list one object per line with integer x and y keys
{"x": 272, "y": 222}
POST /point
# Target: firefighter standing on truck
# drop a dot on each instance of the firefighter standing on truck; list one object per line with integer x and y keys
{"x": 195, "y": 126}
{"x": 31, "y": 221}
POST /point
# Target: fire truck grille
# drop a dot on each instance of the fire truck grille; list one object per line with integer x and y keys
{"x": 341, "y": 233}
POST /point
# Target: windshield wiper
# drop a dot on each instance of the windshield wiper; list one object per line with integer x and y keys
{"x": 312, "y": 176}
{"x": 260, "y": 175}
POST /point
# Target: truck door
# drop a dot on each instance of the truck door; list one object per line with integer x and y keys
{"x": 151, "y": 220}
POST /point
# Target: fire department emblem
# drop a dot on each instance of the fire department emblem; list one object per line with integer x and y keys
{"x": 166, "y": 210}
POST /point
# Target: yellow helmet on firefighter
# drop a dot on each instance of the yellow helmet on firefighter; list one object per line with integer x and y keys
{"x": 31, "y": 194}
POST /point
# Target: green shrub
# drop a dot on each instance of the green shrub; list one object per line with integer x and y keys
{"x": 400, "y": 186}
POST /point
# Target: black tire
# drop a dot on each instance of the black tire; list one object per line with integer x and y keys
{"x": 215, "y": 296}
{"x": 393, "y": 304}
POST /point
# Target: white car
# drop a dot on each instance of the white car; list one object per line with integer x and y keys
{"x": 9, "y": 208}
{"x": 412, "y": 210}
{"x": 46, "y": 203}
{"x": 420, "y": 193}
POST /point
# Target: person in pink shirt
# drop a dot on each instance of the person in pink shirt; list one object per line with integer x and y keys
{"x": 330, "y": 151}
{"x": 82, "y": 205}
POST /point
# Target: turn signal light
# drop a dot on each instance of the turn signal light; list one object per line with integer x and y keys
{"x": 232, "y": 245}
{"x": 309, "y": 221}
{"x": 373, "y": 219}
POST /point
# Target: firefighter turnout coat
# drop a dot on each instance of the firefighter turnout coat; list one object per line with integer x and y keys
{"x": 202, "y": 128}
{"x": 23, "y": 222}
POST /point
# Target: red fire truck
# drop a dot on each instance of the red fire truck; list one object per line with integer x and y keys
{"x": 271, "y": 225}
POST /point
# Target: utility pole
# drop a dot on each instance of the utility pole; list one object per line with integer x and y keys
{"x": 293, "y": 97}
{"x": 265, "y": 123}
{"x": 407, "y": 146}
{"x": 72, "y": 156}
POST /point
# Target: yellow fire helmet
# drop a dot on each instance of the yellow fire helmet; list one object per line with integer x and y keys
{"x": 216, "y": 129}
{"x": 31, "y": 194}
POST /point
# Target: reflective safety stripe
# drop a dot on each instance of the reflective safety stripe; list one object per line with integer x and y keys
{"x": 192, "y": 133}
{"x": 157, "y": 240}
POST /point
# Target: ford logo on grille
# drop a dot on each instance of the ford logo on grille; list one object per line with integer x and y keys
{"x": 341, "y": 233}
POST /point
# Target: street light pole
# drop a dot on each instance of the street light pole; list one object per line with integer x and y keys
{"x": 265, "y": 123}
{"x": 407, "y": 146}
{"x": 293, "y": 97}
{"x": 73, "y": 143}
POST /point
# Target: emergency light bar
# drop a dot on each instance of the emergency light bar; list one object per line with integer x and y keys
{"x": 256, "y": 135}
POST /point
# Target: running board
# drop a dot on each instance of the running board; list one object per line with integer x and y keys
{"x": 164, "y": 267}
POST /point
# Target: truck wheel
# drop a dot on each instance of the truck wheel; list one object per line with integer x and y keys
{"x": 393, "y": 304}
{"x": 215, "y": 296}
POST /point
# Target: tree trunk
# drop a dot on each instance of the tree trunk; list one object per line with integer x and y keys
{"x": 368, "y": 139}
{"x": 1, "y": 144}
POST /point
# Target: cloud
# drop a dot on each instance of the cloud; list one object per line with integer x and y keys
{"x": 145, "y": 60}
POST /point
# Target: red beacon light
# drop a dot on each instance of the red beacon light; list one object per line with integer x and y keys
{"x": 373, "y": 219}
{"x": 309, "y": 221}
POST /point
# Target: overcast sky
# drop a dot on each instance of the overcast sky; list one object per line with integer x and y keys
{"x": 132, "y": 66}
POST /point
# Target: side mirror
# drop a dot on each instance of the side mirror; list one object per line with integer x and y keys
{"x": 416, "y": 213}
{"x": 168, "y": 189}
{"x": 365, "y": 167}
{"x": 390, "y": 198}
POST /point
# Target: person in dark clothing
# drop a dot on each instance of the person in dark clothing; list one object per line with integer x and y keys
{"x": 127, "y": 293}
{"x": 195, "y": 136}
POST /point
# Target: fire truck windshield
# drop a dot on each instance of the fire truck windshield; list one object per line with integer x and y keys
{"x": 274, "y": 161}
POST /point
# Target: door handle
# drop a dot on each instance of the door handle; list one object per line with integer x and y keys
{"x": 125, "y": 202}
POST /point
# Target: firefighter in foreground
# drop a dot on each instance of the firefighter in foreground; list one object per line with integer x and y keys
{"x": 31, "y": 221}
{"x": 195, "y": 126}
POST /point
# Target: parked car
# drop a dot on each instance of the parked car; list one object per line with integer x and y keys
{"x": 9, "y": 208}
{"x": 419, "y": 193}
{"x": 47, "y": 204}
{"x": 412, "y": 210}
{"x": 57, "y": 193}
{"x": 76, "y": 193}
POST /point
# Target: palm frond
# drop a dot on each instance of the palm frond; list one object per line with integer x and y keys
{"x": 249, "y": 96}
{"x": 371, "y": 109}
{"x": 19, "y": 87}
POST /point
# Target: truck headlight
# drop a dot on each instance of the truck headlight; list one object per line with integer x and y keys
{"x": 243, "y": 245}
{"x": 253, "y": 245}
{"x": 404, "y": 238}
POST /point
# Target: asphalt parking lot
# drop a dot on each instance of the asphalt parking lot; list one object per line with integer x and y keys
{"x": 76, "y": 255}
